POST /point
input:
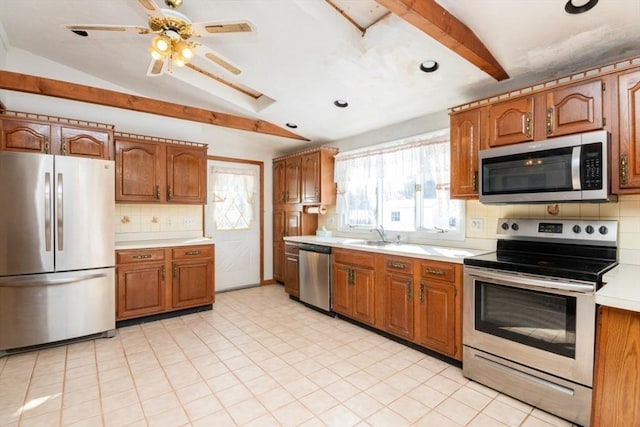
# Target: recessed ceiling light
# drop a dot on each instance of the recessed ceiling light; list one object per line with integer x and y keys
{"x": 571, "y": 8}
{"x": 341, "y": 103}
{"x": 81, "y": 33}
{"x": 291, "y": 125}
{"x": 429, "y": 66}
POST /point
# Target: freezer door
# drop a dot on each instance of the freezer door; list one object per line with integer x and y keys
{"x": 26, "y": 213}
{"x": 44, "y": 308}
{"x": 84, "y": 213}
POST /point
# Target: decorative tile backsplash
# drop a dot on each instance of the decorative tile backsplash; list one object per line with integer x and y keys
{"x": 131, "y": 218}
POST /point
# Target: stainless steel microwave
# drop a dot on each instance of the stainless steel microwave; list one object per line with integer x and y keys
{"x": 572, "y": 168}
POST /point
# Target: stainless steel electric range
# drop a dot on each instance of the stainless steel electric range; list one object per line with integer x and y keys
{"x": 529, "y": 311}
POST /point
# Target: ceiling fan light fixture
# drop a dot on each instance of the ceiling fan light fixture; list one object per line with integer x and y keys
{"x": 184, "y": 49}
{"x": 161, "y": 45}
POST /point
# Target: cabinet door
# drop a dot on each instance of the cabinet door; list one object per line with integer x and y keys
{"x": 399, "y": 305}
{"x": 628, "y": 176}
{"x": 279, "y": 179}
{"x": 575, "y": 108}
{"x": 363, "y": 280}
{"x": 511, "y": 122}
{"x": 192, "y": 282}
{"x": 278, "y": 262}
{"x": 437, "y": 316}
{"x": 186, "y": 174}
{"x": 310, "y": 178}
{"x": 292, "y": 180}
{"x": 616, "y": 394}
{"x": 465, "y": 144}
{"x": 292, "y": 223}
{"x": 139, "y": 172}
{"x": 20, "y": 135}
{"x": 84, "y": 143}
{"x": 291, "y": 285}
{"x": 140, "y": 289}
{"x": 342, "y": 289}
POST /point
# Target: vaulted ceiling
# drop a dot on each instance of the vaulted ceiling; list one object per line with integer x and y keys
{"x": 303, "y": 55}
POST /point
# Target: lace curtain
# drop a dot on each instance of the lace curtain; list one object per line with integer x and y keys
{"x": 359, "y": 173}
{"x": 233, "y": 194}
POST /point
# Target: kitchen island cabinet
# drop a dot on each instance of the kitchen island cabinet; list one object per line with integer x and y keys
{"x": 158, "y": 280}
{"x": 160, "y": 171}
{"x": 617, "y": 378}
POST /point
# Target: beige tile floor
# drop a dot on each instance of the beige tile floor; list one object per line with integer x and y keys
{"x": 256, "y": 359}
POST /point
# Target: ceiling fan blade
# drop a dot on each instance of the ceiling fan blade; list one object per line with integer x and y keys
{"x": 113, "y": 28}
{"x": 204, "y": 29}
{"x": 156, "y": 67}
{"x": 216, "y": 59}
{"x": 151, "y": 8}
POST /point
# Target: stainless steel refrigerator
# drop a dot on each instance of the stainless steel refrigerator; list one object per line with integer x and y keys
{"x": 57, "y": 278}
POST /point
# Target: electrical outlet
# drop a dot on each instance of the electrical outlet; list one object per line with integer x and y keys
{"x": 188, "y": 220}
{"x": 477, "y": 224}
{"x": 330, "y": 220}
{"x": 169, "y": 220}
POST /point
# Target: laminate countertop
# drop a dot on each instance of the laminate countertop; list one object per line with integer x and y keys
{"x": 622, "y": 288}
{"x": 162, "y": 243}
{"x": 435, "y": 253}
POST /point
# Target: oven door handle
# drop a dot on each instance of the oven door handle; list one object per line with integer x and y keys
{"x": 530, "y": 281}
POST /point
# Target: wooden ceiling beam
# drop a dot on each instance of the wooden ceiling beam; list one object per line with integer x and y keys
{"x": 431, "y": 18}
{"x": 110, "y": 98}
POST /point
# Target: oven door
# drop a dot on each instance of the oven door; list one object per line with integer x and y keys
{"x": 544, "y": 324}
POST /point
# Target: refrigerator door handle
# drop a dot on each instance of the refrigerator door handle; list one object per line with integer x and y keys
{"x": 60, "y": 211}
{"x": 47, "y": 211}
{"x": 26, "y": 281}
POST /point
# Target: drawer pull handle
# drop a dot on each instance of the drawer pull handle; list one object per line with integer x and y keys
{"x": 435, "y": 272}
{"x": 145, "y": 256}
{"x": 399, "y": 265}
{"x": 193, "y": 252}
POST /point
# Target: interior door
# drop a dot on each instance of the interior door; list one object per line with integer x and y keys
{"x": 232, "y": 218}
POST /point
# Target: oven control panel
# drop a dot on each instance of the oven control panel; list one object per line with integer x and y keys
{"x": 593, "y": 231}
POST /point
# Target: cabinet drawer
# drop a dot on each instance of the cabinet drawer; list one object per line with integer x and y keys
{"x": 186, "y": 252}
{"x": 291, "y": 248}
{"x": 438, "y": 270}
{"x": 365, "y": 259}
{"x": 398, "y": 265}
{"x": 139, "y": 255}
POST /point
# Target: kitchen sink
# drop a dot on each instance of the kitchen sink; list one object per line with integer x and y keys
{"x": 378, "y": 243}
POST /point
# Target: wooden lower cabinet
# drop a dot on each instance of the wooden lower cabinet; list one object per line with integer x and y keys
{"x": 354, "y": 285}
{"x": 414, "y": 299}
{"x": 439, "y": 307}
{"x": 158, "y": 280}
{"x": 291, "y": 278}
{"x": 616, "y": 388}
{"x": 398, "y": 297}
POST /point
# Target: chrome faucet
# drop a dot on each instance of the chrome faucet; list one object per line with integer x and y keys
{"x": 380, "y": 230}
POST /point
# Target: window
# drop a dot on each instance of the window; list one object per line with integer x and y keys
{"x": 233, "y": 192}
{"x": 402, "y": 186}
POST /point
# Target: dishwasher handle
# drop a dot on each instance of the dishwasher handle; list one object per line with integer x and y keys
{"x": 315, "y": 248}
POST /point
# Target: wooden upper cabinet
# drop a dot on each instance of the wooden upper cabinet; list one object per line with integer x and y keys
{"x": 511, "y": 121}
{"x": 466, "y": 142}
{"x": 186, "y": 174}
{"x": 574, "y": 108}
{"x": 139, "y": 171}
{"x": 19, "y": 135}
{"x": 292, "y": 176}
{"x": 278, "y": 183}
{"x": 310, "y": 178}
{"x": 150, "y": 171}
{"x": 628, "y": 159}
{"x": 85, "y": 143}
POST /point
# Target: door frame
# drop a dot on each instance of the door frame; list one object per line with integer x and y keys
{"x": 261, "y": 199}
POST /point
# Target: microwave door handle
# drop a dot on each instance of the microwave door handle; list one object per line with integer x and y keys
{"x": 575, "y": 168}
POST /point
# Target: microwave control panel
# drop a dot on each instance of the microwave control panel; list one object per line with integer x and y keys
{"x": 591, "y": 171}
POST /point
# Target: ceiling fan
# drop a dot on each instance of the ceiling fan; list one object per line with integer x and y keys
{"x": 174, "y": 33}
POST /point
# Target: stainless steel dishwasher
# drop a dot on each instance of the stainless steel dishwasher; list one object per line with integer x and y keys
{"x": 315, "y": 276}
